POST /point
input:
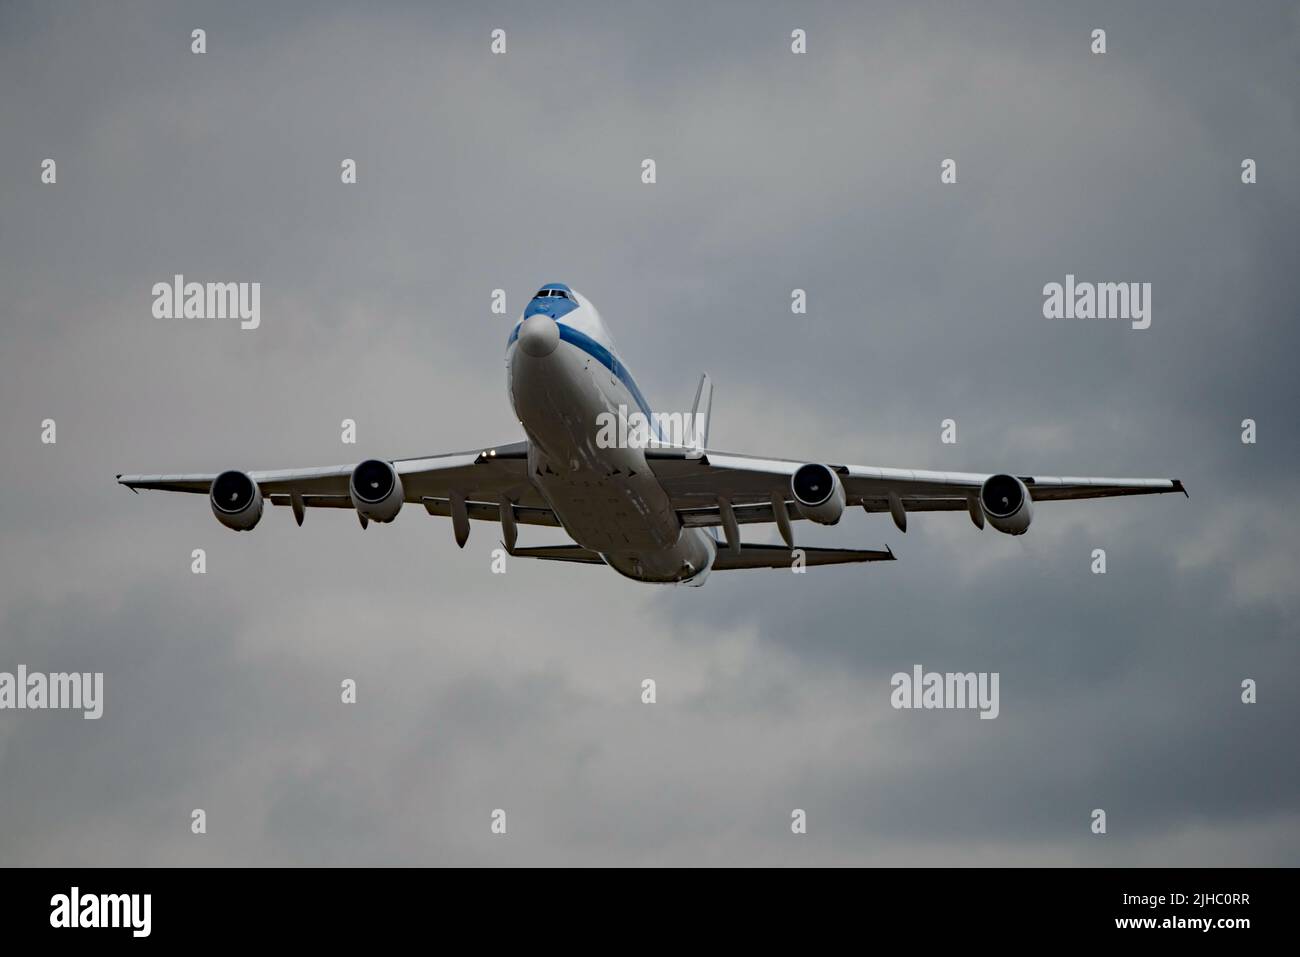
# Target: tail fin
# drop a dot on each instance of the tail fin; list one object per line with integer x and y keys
{"x": 700, "y": 414}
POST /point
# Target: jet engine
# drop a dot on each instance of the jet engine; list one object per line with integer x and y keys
{"x": 376, "y": 490}
{"x": 236, "y": 500}
{"x": 1007, "y": 504}
{"x": 818, "y": 494}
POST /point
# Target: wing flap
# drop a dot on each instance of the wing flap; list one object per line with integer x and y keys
{"x": 711, "y": 516}
{"x": 314, "y": 501}
{"x": 491, "y": 512}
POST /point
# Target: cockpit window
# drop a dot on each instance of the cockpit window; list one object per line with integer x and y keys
{"x": 551, "y": 293}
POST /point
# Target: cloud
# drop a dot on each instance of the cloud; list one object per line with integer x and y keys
{"x": 522, "y": 691}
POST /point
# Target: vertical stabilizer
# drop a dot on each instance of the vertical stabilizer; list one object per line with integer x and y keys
{"x": 700, "y": 414}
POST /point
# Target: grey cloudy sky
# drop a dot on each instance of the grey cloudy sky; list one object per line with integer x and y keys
{"x": 775, "y": 171}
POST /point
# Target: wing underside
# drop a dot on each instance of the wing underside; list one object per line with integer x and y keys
{"x": 748, "y": 483}
{"x": 483, "y": 477}
{"x": 708, "y": 490}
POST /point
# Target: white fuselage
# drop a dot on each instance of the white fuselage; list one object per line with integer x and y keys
{"x": 563, "y": 372}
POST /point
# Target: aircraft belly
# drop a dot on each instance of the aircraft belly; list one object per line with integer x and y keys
{"x": 608, "y": 499}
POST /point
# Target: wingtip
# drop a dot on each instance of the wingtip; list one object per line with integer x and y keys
{"x": 1178, "y": 486}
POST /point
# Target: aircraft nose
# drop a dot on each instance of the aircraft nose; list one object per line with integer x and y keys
{"x": 539, "y": 335}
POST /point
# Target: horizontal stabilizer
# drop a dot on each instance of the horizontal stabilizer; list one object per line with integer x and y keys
{"x": 560, "y": 553}
{"x": 778, "y": 556}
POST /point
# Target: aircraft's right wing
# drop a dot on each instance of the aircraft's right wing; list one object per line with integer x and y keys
{"x": 482, "y": 473}
{"x": 484, "y": 481}
{"x": 695, "y": 483}
{"x": 711, "y": 489}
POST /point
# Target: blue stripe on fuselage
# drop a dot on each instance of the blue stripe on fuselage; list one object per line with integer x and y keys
{"x": 601, "y": 355}
{"x": 609, "y": 361}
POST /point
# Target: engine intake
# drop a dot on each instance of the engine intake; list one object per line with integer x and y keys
{"x": 236, "y": 500}
{"x": 818, "y": 494}
{"x": 1007, "y": 504}
{"x": 376, "y": 490}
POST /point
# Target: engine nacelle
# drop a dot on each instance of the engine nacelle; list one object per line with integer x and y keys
{"x": 376, "y": 490}
{"x": 236, "y": 500}
{"x": 818, "y": 494}
{"x": 1007, "y": 504}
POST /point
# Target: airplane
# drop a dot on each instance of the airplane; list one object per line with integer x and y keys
{"x": 646, "y": 506}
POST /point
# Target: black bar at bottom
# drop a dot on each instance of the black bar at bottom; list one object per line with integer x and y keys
{"x": 332, "y": 906}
